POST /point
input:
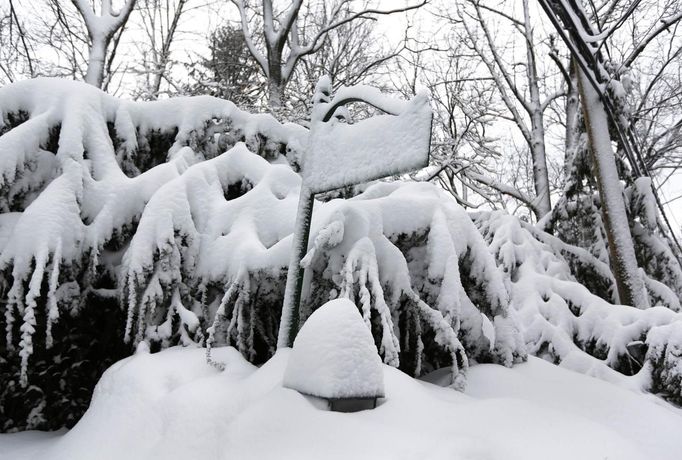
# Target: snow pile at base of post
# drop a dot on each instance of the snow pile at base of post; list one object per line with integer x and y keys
{"x": 334, "y": 355}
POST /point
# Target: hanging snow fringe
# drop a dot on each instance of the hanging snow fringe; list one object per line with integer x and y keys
{"x": 222, "y": 230}
{"x": 77, "y": 168}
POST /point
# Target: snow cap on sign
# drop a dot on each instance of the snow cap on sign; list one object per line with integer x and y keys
{"x": 342, "y": 154}
{"x": 334, "y": 355}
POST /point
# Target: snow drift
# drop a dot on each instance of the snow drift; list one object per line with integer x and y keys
{"x": 171, "y": 405}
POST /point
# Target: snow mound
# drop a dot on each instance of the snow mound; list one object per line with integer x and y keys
{"x": 334, "y": 355}
{"x": 172, "y": 406}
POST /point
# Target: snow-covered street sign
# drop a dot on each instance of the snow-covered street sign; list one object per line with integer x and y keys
{"x": 340, "y": 154}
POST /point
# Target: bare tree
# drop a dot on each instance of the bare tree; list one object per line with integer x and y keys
{"x": 525, "y": 93}
{"x": 286, "y": 40}
{"x": 102, "y": 26}
{"x": 160, "y": 25}
{"x": 352, "y": 54}
{"x": 656, "y": 92}
{"x": 15, "y": 48}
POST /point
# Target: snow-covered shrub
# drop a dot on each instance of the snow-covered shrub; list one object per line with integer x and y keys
{"x": 171, "y": 221}
{"x": 61, "y": 378}
{"x": 182, "y": 211}
{"x": 77, "y": 167}
{"x": 663, "y": 278}
{"x": 563, "y": 322}
{"x": 401, "y": 251}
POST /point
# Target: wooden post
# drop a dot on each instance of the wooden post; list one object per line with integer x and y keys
{"x": 292, "y": 295}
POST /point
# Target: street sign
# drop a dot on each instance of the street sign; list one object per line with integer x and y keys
{"x": 340, "y": 154}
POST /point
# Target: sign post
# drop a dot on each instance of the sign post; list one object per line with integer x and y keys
{"x": 341, "y": 154}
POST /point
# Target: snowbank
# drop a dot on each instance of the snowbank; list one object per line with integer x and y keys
{"x": 171, "y": 405}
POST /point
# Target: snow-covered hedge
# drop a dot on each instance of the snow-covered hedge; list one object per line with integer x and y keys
{"x": 109, "y": 199}
{"x": 401, "y": 251}
{"x": 563, "y": 322}
{"x": 171, "y": 222}
{"x": 77, "y": 168}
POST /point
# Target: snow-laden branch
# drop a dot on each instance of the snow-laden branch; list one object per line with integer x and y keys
{"x": 502, "y": 188}
{"x": 565, "y": 323}
{"x": 248, "y": 37}
{"x": 299, "y": 51}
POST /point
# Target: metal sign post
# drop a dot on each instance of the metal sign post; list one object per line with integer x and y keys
{"x": 342, "y": 154}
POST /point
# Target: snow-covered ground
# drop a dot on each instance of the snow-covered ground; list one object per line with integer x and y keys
{"x": 172, "y": 405}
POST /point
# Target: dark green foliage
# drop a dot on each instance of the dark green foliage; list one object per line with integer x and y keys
{"x": 229, "y": 72}
{"x": 61, "y": 378}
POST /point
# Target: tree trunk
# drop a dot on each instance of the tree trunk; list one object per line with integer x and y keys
{"x": 631, "y": 290}
{"x": 540, "y": 175}
{"x": 572, "y": 108}
{"x": 275, "y": 78}
{"x": 537, "y": 133}
{"x": 275, "y": 91}
{"x": 97, "y": 55}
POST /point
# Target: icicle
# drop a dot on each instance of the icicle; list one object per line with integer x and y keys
{"x": 389, "y": 341}
{"x": 203, "y": 296}
{"x": 147, "y": 305}
{"x": 28, "y": 326}
{"x": 419, "y": 353}
{"x": 132, "y": 304}
{"x": 52, "y": 304}
{"x": 365, "y": 297}
{"x": 15, "y": 301}
{"x": 243, "y": 328}
{"x": 9, "y": 325}
{"x": 252, "y": 331}
{"x": 219, "y": 317}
